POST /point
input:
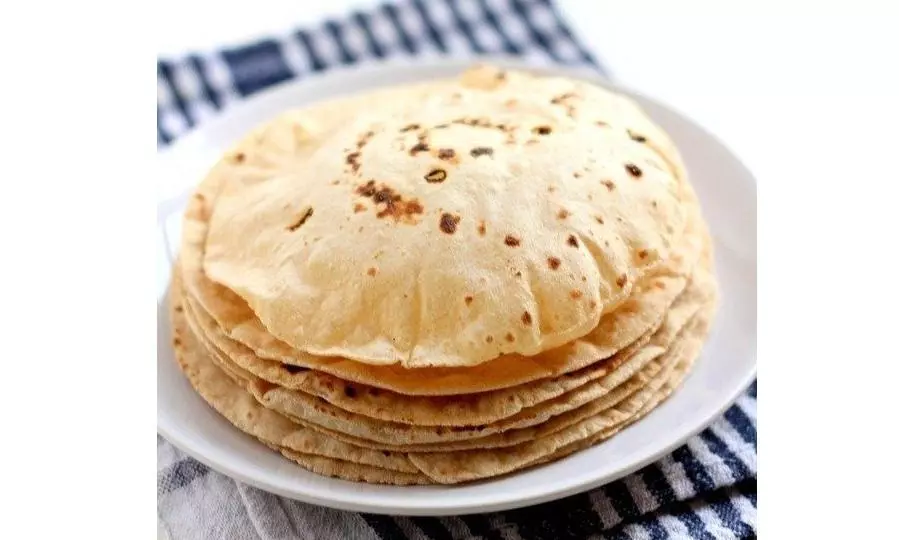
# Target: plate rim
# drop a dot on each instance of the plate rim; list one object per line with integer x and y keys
{"x": 353, "y": 501}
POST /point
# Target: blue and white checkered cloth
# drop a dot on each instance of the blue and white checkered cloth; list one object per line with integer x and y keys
{"x": 704, "y": 489}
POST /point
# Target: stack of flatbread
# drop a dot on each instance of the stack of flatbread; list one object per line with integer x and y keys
{"x": 444, "y": 282}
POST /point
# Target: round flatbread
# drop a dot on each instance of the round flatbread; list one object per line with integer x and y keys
{"x": 483, "y": 218}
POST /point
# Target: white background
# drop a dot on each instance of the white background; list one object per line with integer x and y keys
{"x": 805, "y": 92}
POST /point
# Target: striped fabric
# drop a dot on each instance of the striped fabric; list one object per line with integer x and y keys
{"x": 704, "y": 489}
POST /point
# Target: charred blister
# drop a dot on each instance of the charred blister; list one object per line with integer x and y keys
{"x": 304, "y": 217}
{"x": 633, "y": 170}
{"x": 481, "y": 151}
{"x": 435, "y": 176}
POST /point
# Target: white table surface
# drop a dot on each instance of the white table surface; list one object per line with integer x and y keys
{"x": 756, "y": 81}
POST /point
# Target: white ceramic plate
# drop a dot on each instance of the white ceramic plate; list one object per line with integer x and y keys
{"x": 727, "y": 365}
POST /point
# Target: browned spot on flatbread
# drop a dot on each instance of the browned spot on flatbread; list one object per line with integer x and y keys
{"x": 482, "y": 228}
{"x": 390, "y": 202}
{"x": 509, "y": 337}
{"x": 558, "y": 100}
{"x": 609, "y": 184}
{"x": 563, "y": 214}
{"x": 622, "y": 280}
{"x": 304, "y": 217}
{"x": 553, "y": 263}
{"x": 420, "y": 146}
{"x": 636, "y": 137}
{"x": 468, "y": 300}
{"x": 473, "y": 122}
{"x": 435, "y": 176}
{"x": 511, "y": 241}
{"x": 363, "y": 140}
{"x": 526, "y": 318}
{"x": 358, "y": 207}
{"x": 564, "y": 99}
{"x": 448, "y": 223}
{"x": 575, "y": 294}
{"x": 352, "y": 159}
{"x": 372, "y": 271}
{"x": 572, "y": 240}
{"x": 479, "y": 151}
